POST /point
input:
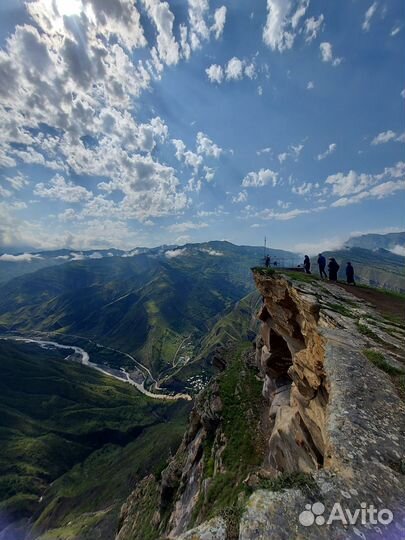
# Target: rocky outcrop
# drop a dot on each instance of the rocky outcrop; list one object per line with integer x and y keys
{"x": 330, "y": 429}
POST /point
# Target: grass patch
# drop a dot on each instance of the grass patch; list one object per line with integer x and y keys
{"x": 297, "y": 480}
{"x": 386, "y": 292}
{"x": 379, "y": 360}
{"x": 366, "y": 331}
{"x": 263, "y": 271}
{"x": 397, "y": 375}
{"x": 342, "y": 310}
{"x": 301, "y": 276}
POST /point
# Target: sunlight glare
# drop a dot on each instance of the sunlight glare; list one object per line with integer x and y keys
{"x": 69, "y": 7}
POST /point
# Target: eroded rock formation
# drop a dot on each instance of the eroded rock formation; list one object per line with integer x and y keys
{"x": 332, "y": 375}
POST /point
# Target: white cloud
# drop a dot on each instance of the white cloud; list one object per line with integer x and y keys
{"x": 173, "y": 253}
{"x": 313, "y": 248}
{"x": 260, "y": 90}
{"x": 186, "y": 226}
{"x": 312, "y": 28}
{"x": 304, "y": 189}
{"x": 293, "y": 152}
{"x": 354, "y": 188}
{"x": 327, "y": 54}
{"x": 331, "y": 148}
{"x": 310, "y": 85}
{"x": 396, "y": 30}
{"x": 215, "y": 73}
{"x": 266, "y": 150}
{"x": 398, "y": 250}
{"x": 163, "y": 19}
{"x": 387, "y": 136}
{"x": 240, "y": 197}
{"x": 403, "y": 93}
{"x": 219, "y": 24}
{"x": 24, "y": 257}
{"x": 260, "y": 178}
{"x": 207, "y": 147}
{"x": 368, "y": 16}
{"x": 212, "y": 252}
{"x": 283, "y": 19}
{"x": 234, "y": 69}
{"x": 59, "y": 188}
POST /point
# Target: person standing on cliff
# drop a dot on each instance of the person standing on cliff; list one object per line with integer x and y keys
{"x": 350, "y": 274}
{"x": 267, "y": 261}
{"x": 322, "y": 265}
{"x": 307, "y": 265}
{"x": 333, "y": 269}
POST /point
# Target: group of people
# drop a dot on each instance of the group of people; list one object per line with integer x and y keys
{"x": 333, "y": 268}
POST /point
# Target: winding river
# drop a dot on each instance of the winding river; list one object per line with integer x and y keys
{"x": 84, "y": 359}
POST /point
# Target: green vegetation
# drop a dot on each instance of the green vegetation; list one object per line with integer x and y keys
{"x": 263, "y": 271}
{"x": 297, "y": 480}
{"x": 366, "y": 331}
{"x": 397, "y": 375}
{"x": 343, "y": 310}
{"x": 301, "y": 276}
{"x": 240, "y": 391}
{"x": 379, "y": 360}
{"x": 76, "y": 438}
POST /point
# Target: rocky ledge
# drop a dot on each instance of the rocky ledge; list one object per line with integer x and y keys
{"x": 332, "y": 373}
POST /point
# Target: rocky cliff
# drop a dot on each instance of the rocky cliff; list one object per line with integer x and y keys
{"x": 308, "y": 422}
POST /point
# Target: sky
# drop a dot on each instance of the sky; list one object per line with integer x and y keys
{"x": 128, "y": 124}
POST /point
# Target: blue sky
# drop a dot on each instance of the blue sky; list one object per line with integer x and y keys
{"x": 128, "y": 125}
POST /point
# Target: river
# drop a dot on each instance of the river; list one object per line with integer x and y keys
{"x": 85, "y": 360}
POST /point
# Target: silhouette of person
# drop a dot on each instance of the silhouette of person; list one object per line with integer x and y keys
{"x": 267, "y": 261}
{"x": 333, "y": 269}
{"x": 307, "y": 265}
{"x": 322, "y": 265}
{"x": 350, "y": 274}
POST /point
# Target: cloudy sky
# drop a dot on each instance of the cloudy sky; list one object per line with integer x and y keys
{"x": 126, "y": 124}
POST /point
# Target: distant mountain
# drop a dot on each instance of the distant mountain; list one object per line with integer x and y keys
{"x": 388, "y": 241}
{"x": 147, "y": 304}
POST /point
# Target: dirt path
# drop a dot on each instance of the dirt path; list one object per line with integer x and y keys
{"x": 386, "y": 304}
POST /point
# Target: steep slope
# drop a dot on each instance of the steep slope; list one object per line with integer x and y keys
{"x": 316, "y": 414}
{"x": 55, "y": 415}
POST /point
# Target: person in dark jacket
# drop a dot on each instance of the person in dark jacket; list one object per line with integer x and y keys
{"x": 350, "y": 274}
{"x": 307, "y": 265}
{"x": 333, "y": 269}
{"x": 322, "y": 264}
{"x": 267, "y": 261}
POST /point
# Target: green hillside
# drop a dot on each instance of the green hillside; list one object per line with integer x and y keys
{"x": 68, "y": 433}
{"x": 146, "y": 305}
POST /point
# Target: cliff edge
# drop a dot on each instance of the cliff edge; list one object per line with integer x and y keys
{"x": 301, "y": 437}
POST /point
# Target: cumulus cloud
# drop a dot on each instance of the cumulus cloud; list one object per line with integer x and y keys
{"x": 368, "y": 16}
{"x": 59, "y": 188}
{"x": 234, "y": 70}
{"x": 398, "y": 250}
{"x": 327, "y": 54}
{"x": 260, "y": 178}
{"x": 206, "y": 147}
{"x": 241, "y": 197}
{"x": 354, "y": 187}
{"x": 215, "y": 73}
{"x": 310, "y": 85}
{"x": 24, "y": 257}
{"x": 282, "y": 23}
{"x": 330, "y": 150}
{"x": 219, "y": 22}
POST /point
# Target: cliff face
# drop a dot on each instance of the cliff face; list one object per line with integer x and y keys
{"x": 328, "y": 427}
